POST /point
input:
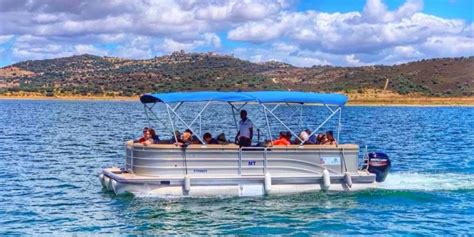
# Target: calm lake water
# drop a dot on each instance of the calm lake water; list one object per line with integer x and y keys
{"x": 51, "y": 153}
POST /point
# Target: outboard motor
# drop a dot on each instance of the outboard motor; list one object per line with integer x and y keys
{"x": 378, "y": 164}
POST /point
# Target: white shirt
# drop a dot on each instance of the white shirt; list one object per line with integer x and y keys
{"x": 244, "y": 128}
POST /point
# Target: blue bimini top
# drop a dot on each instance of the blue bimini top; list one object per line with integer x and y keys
{"x": 253, "y": 96}
{"x": 297, "y": 97}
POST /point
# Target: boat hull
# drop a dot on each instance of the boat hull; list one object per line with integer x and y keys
{"x": 125, "y": 183}
{"x": 228, "y": 170}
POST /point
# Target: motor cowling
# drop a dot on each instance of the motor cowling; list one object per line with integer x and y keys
{"x": 379, "y": 164}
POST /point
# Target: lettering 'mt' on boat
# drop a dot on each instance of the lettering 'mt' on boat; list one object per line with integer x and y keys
{"x": 230, "y": 170}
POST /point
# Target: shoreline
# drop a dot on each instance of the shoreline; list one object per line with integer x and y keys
{"x": 403, "y": 101}
{"x": 72, "y": 98}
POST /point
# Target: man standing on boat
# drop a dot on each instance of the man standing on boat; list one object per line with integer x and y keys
{"x": 245, "y": 134}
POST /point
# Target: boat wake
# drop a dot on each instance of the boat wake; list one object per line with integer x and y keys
{"x": 428, "y": 182}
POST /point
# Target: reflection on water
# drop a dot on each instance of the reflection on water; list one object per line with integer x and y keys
{"x": 52, "y": 151}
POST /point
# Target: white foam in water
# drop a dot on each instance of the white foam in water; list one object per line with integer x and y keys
{"x": 428, "y": 182}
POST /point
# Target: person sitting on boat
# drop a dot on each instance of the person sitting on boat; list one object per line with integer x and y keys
{"x": 304, "y": 136}
{"x": 330, "y": 139}
{"x": 321, "y": 139}
{"x": 149, "y": 137}
{"x": 176, "y": 135}
{"x": 245, "y": 134}
{"x": 312, "y": 138}
{"x": 187, "y": 139}
{"x": 221, "y": 139}
{"x": 207, "y": 137}
{"x": 154, "y": 136}
{"x": 194, "y": 138}
{"x": 142, "y": 138}
{"x": 283, "y": 140}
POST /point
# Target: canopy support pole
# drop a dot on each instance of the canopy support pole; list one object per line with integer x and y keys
{"x": 154, "y": 115}
{"x": 199, "y": 114}
{"x": 322, "y": 124}
{"x": 282, "y": 123}
{"x": 268, "y": 122}
{"x": 276, "y": 106}
{"x": 172, "y": 123}
{"x": 339, "y": 124}
{"x": 184, "y": 123}
{"x": 329, "y": 108}
{"x": 232, "y": 107}
{"x": 200, "y": 125}
{"x": 176, "y": 107}
{"x": 146, "y": 114}
{"x": 292, "y": 113}
{"x": 244, "y": 104}
{"x": 300, "y": 122}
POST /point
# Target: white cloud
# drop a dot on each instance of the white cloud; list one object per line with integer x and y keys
{"x": 295, "y": 56}
{"x": 348, "y": 32}
{"x": 89, "y": 49}
{"x": 284, "y": 47}
{"x": 42, "y": 52}
{"x": 468, "y": 31}
{"x": 376, "y": 11}
{"x": 138, "y": 47}
{"x": 44, "y": 18}
{"x": 273, "y": 29}
{"x": 169, "y": 45}
{"x": 376, "y": 31}
{"x": 130, "y": 52}
{"x": 352, "y": 60}
{"x": 240, "y": 10}
{"x": 407, "y": 51}
{"x": 5, "y": 38}
{"x": 448, "y": 46}
{"x": 111, "y": 38}
{"x": 257, "y": 31}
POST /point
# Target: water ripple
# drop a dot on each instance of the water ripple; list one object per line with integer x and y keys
{"x": 52, "y": 151}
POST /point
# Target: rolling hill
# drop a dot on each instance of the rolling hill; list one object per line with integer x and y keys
{"x": 94, "y": 75}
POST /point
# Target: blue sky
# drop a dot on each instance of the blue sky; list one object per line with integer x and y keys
{"x": 302, "y": 33}
{"x": 455, "y": 9}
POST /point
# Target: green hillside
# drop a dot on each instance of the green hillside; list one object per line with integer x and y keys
{"x": 93, "y": 75}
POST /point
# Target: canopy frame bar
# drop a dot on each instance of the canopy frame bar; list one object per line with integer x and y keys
{"x": 172, "y": 115}
{"x": 269, "y": 130}
{"x": 146, "y": 114}
{"x": 322, "y": 124}
{"x": 282, "y": 123}
{"x": 172, "y": 124}
{"x": 339, "y": 125}
{"x": 149, "y": 108}
{"x": 189, "y": 126}
{"x": 329, "y": 108}
{"x": 296, "y": 110}
{"x": 232, "y": 107}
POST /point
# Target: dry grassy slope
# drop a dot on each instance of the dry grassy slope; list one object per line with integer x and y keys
{"x": 434, "y": 77}
{"x": 11, "y": 72}
{"x": 88, "y": 74}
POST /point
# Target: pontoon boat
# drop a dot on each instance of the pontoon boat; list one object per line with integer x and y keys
{"x": 230, "y": 170}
